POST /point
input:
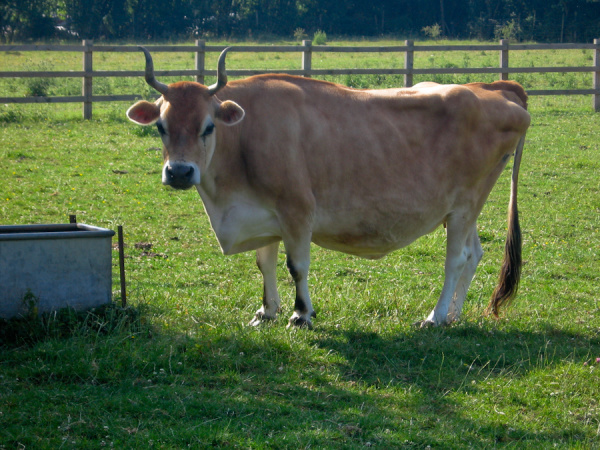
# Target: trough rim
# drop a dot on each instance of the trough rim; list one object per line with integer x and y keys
{"x": 52, "y": 231}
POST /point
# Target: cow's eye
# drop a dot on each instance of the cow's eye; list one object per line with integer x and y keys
{"x": 160, "y": 128}
{"x": 208, "y": 130}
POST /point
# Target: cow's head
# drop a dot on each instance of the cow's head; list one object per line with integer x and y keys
{"x": 187, "y": 116}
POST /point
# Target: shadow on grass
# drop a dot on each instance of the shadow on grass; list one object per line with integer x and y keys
{"x": 32, "y": 328}
{"x": 409, "y": 389}
{"x": 273, "y": 388}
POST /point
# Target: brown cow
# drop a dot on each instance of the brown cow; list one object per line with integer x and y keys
{"x": 284, "y": 158}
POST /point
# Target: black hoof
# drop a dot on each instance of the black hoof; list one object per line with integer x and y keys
{"x": 300, "y": 322}
{"x": 259, "y": 319}
{"x": 424, "y": 324}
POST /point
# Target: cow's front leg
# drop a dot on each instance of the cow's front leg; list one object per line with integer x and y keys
{"x": 298, "y": 261}
{"x": 266, "y": 260}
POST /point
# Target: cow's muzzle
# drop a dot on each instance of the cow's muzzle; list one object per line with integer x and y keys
{"x": 180, "y": 175}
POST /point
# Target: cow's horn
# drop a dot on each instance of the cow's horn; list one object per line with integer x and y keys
{"x": 150, "y": 79}
{"x": 221, "y": 74}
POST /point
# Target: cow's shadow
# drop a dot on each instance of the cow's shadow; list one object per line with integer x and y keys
{"x": 477, "y": 352}
{"x": 437, "y": 365}
{"x": 431, "y": 368}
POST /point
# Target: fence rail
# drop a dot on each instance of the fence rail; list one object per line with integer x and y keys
{"x": 87, "y": 74}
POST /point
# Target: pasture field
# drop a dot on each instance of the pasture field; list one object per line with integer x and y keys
{"x": 179, "y": 368}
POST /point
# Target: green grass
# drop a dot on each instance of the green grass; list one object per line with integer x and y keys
{"x": 180, "y": 368}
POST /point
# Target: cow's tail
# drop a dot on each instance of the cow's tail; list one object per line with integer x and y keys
{"x": 510, "y": 274}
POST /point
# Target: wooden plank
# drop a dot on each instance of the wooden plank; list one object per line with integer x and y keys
{"x": 596, "y": 76}
{"x": 307, "y": 58}
{"x": 573, "y": 46}
{"x": 549, "y": 69}
{"x": 450, "y": 48}
{"x": 200, "y": 60}
{"x": 504, "y": 57}
{"x": 77, "y": 99}
{"x": 117, "y": 98}
{"x": 40, "y": 74}
{"x": 208, "y": 48}
{"x": 40, "y": 48}
{"x": 456, "y": 70}
{"x": 562, "y": 91}
{"x": 292, "y": 48}
{"x": 88, "y": 79}
{"x": 134, "y": 97}
{"x": 409, "y": 59}
{"x": 367, "y": 49}
{"x": 248, "y": 72}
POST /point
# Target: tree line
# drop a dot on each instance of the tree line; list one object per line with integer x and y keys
{"x": 536, "y": 20}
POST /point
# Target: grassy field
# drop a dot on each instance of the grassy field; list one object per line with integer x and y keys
{"x": 179, "y": 367}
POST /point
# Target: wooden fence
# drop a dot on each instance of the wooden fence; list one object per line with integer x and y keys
{"x": 306, "y": 49}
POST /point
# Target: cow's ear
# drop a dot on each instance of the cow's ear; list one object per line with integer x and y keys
{"x": 230, "y": 113}
{"x": 144, "y": 113}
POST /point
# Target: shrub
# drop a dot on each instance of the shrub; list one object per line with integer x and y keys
{"x": 38, "y": 87}
{"x": 433, "y": 31}
{"x": 510, "y": 30}
{"x": 320, "y": 38}
{"x": 300, "y": 34}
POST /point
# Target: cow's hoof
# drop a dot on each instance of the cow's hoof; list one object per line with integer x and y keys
{"x": 259, "y": 319}
{"x": 298, "y": 321}
{"x": 424, "y": 324}
{"x": 427, "y": 323}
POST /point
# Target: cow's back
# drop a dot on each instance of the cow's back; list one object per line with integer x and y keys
{"x": 377, "y": 169}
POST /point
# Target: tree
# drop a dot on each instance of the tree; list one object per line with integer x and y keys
{"x": 542, "y": 20}
{"x": 26, "y": 20}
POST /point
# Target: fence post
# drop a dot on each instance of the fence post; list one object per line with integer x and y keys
{"x": 87, "y": 83}
{"x": 200, "y": 55}
{"x": 409, "y": 59}
{"x": 504, "y": 59}
{"x": 596, "y": 73}
{"x": 307, "y": 58}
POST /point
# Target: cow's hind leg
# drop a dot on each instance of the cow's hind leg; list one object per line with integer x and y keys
{"x": 298, "y": 261}
{"x": 266, "y": 259}
{"x": 466, "y": 277}
{"x": 458, "y": 254}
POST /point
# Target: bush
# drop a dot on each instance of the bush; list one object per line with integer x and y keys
{"x": 300, "y": 34}
{"x": 38, "y": 87}
{"x": 510, "y": 30}
{"x": 320, "y": 38}
{"x": 433, "y": 31}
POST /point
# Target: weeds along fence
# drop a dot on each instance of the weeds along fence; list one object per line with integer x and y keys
{"x": 200, "y": 49}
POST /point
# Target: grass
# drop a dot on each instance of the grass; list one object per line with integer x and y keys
{"x": 180, "y": 368}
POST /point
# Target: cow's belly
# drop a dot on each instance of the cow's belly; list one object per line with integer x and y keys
{"x": 373, "y": 237}
{"x": 245, "y": 224}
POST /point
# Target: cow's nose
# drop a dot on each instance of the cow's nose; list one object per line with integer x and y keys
{"x": 180, "y": 175}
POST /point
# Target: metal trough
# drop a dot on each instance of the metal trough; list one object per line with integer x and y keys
{"x": 59, "y": 265}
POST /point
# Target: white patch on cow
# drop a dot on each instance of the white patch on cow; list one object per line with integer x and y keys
{"x": 243, "y": 223}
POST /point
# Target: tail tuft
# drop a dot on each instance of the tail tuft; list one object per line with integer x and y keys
{"x": 510, "y": 273}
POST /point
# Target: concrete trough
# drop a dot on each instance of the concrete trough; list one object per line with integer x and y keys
{"x": 61, "y": 265}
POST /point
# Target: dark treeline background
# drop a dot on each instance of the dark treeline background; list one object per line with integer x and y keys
{"x": 537, "y": 20}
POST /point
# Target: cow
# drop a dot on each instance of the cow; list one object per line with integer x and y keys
{"x": 277, "y": 157}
